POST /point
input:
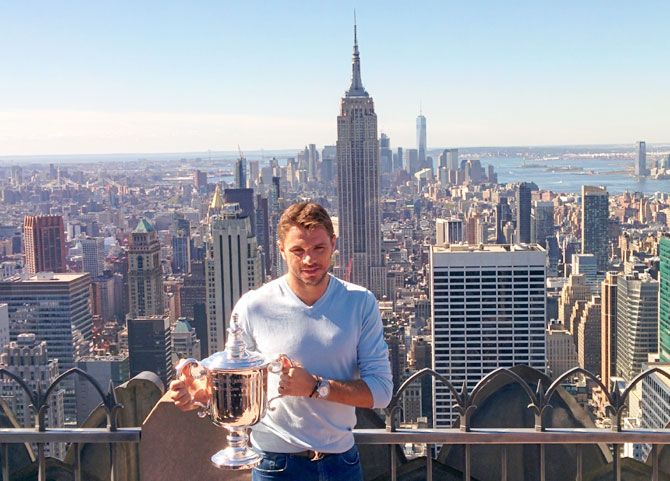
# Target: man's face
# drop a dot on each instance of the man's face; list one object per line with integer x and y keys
{"x": 307, "y": 254}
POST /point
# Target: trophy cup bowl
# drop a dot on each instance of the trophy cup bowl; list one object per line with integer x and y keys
{"x": 238, "y": 384}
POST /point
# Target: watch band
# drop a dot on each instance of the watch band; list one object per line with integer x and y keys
{"x": 316, "y": 386}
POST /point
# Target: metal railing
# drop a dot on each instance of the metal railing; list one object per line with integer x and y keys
{"x": 41, "y": 435}
{"x": 540, "y": 434}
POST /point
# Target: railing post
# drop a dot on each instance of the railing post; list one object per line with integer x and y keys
{"x": 543, "y": 467}
{"x": 579, "y": 462}
{"x": 503, "y": 463}
{"x": 654, "y": 462}
{"x": 616, "y": 465}
{"x": 77, "y": 461}
{"x": 429, "y": 462}
{"x": 41, "y": 463}
{"x": 466, "y": 471}
{"x": 5, "y": 462}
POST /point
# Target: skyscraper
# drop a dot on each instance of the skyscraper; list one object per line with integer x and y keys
{"x": 595, "y": 223}
{"x": 241, "y": 173}
{"x": 641, "y": 158}
{"x": 27, "y": 358}
{"x": 421, "y": 139}
{"x": 385, "y": 154}
{"x": 488, "y": 309}
{"x": 664, "y": 300}
{"x": 44, "y": 237}
{"x": 150, "y": 346}
{"x": 232, "y": 267}
{"x": 360, "y": 239}
{"x": 55, "y": 307}
{"x": 523, "y": 198}
{"x": 637, "y": 322}
{"x": 608, "y": 327}
{"x": 541, "y": 221}
{"x": 145, "y": 274}
{"x": 93, "y": 249}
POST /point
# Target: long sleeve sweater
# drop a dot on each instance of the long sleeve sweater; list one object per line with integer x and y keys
{"x": 339, "y": 337}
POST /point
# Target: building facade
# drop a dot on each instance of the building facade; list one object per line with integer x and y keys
{"x": 488, "y": 310}
{"x": 232, "y": 267}
{"x": 360, "y": 237}
{"x": 56, "y": 309}
{"x": 44, "y": 238}
{"x": 145, "y": 274}
{"x": 595, "y": 224}
{"x": 637, "y": 322}
{"x": 150, "y": 346}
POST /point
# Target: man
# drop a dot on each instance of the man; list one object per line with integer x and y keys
{"x": 333, "y": 332}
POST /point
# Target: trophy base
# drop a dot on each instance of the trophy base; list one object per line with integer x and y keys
{"x": 236, "y": 458}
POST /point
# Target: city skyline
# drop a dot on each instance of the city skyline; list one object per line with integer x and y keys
{"x": 167, "y": 78}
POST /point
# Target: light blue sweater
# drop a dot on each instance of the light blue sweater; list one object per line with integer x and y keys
{"x": 340, "y": 337}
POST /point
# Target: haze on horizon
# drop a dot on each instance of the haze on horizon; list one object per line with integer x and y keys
{"x": 173, "y": 77}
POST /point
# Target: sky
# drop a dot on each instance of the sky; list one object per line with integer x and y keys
{"x": 164, "y": 76}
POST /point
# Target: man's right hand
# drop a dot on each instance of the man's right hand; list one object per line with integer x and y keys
{"x": 186, "y": 391}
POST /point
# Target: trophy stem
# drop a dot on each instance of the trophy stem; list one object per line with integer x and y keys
{"x": 238, "y": 454}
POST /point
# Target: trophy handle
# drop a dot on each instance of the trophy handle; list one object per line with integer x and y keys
{"x": 180, "y": 369}
{"x": 276, "y": 367}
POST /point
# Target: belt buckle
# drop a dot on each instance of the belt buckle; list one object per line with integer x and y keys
{"x": 317, "y": 455}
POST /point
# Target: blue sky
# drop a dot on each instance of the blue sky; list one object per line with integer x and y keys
{"x": 150, "y": 76}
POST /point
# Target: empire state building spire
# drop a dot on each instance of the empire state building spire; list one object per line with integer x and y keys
{"x": 356, "y": 89}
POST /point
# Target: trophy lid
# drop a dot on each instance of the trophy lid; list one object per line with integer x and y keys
{"x": 235, "y": 357}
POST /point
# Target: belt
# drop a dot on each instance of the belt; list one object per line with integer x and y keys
{"x": 313, "y": 455}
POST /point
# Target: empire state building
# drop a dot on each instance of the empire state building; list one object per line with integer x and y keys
{"x": 360, "y": 259}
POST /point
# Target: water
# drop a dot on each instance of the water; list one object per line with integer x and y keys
{"x": 607, "y": 172}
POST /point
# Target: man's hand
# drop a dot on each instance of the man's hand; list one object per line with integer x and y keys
{"x": 187, "y": 390}
{"x": 295, "y": 380}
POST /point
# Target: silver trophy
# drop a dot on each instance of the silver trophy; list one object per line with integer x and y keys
{"x": 238, "y": 383}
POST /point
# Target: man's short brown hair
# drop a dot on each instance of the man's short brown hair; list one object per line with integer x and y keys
{"x": 307, "y": 215}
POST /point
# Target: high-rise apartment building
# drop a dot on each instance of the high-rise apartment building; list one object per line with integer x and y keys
{"x": 241, "y": 173}
{"x": 27, "y": 358}
{"x": 54, "y": 307}
{"x": 541, "y": 221}
{"x": 145, "y": 274}
{"x": 488, "y": 309}
{"x": 587, "y": 264}
{"x": 421, "y": 139}
{"x": 449, "y": 231}
{"x": 361, "y": 259}
{"x": 561, "y": 351}
{"x": 523, "y": 207}
{"x": 595, "y": 224}
{"x": 200, "y": 180}
{"x": 385, "y": 154}
{"x": 150, "y": 346}
{"x": 641, "y": 158}
{"x": 93, "y": 259}
{"x": 573, "y": 291}
{"x": 608, "y": 327}
{"x": 664, "y": 300}
{"x": 44, "y": 237}
{"x": 103, "y": 369}
{"x": 503, "y": 215}
{"x": 232, "y": 267}
{"x": 588, "y": 336}
{"x": 637, "y": 322}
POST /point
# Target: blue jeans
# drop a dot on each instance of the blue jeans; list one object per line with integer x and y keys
{"x": 334, "y": 467}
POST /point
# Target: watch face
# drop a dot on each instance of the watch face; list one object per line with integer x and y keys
{"x": 324, "y": 389}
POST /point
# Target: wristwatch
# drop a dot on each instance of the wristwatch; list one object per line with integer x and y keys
{"x": 321, "y": 388}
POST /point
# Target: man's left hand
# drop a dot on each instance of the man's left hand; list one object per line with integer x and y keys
{"x": 296, "y": 381}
